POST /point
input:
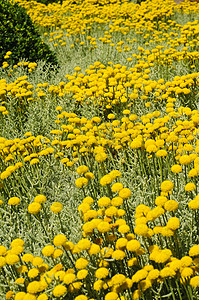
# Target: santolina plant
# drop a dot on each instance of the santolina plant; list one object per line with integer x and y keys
{"x": 114, "y": 259}
{"x": 99, "y": 162}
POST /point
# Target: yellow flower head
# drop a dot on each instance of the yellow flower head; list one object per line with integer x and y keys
{"x": 40, "y": 199}
{"x": 167, "y": 186}
{"x": 81, "y": 263}
{"x": 14, "y": 201}
{"x": 80, "y": 182}
{"x": 125, "y": 193}
{"x": 56, "y": 207}
{"x": 190, "y": 187}
{"x": 101, "y": 273}
{"x": 100, "y": 157}
{"x": 59, "y": 290}
{"x": 59, "y": 240}
{"x": 34, "y": 208}
{"x": 82, "y": 169}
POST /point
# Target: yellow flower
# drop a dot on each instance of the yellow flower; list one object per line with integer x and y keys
{"x": 167, "y": 272}
{"x": 151, "y": 148}
{"x": 194, "y": 204}
{"x": 75, "y": 286}
{"x": 136, "y": 143}
{"x": 37, "y": 261}
{"x": 82, "y": 169}
{"x": 40, "y": 199}
{"x": 59, "y": 240}
{"x": 116, "y": 187}
{"x": 190, "y": 187}
{"x": 34, "y": 208}
{"x": 106, "y": 179}
{"x": 10, "y": 295}
{"x": 42, "y": 296}
{"x": 48, "y": 250}
{"x": 194, "y": 282}
{"x": 81, "y": 263}
{"x": 186, "y": 261}
{"x": 89, "y": 175}
{"x": 111, "y": 211}
{"x": 173, "y": 223}
{"x": 77, "y": 69}
{"x": 80, "y": 182}
{"x": 82, "y": 274}
{"x": 121, "y": 243}
{"x": 57, "y": 253}
{"x": 98, "y": 285}
{"x": 103, "y": 227}
{"x": 186, "y": 272}
{"x": 153, "y": 274}
{"x": 185, "y": 160}
{"x": 3, "y": 250}
{"x": 141, "y": 229}
{"x": 114, "y": 174}
{"x": 124, "y": 228}
{"x": 16, "y": 250}
{"x": 94, "y": 249}
{"x": 2, "y": 261}
{"x": 104, "y": 202}
{"x": 139, "y": 275}
{"x": 133, "y": 245}
{"x": 194, "y": 251}
{"x": 59, "y": 290}
{"x": 137, "y": 294}
{"x": 84, "y": 244}
{"x": 101, "y": 273}
{"x": 160, "y": 200}
{"x": 14, "y": 201}
{"x": 56, "y": 207}
{"x": 116, "y": 201}
{"x": 34, "y": 161}
{"x": 69, "y": 278}
{"x": 27, "y": 257}
{"x": 84, "y": 207}
{"x": 81, "y": 297}
{"x": 100, "y": 157}
{"x": 20, "y": 295}
{"x": 125, "y": 193}
{"x": 111, "y": 296}
{"x": 33, "y": 287}
{"x": 160, "y": 256}
{"x": 90, "y": 214}
{"x": 166, "y": 186}
{"x": 32, "y": 273}
{"x": 118, "y": 254}
{"x": 132, "y": 262}
{"x": 59, "y": 108}
{"x": 161, "y": 153}
{"x": 111, "y": 116}
{"x": 88, "y": 200}
{"x": 171, "y": 205}
{"x": 193, "y": 173}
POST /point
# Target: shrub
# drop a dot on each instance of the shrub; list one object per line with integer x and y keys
{"x": 19, "y": 35}
{"x": 46, "y": 2}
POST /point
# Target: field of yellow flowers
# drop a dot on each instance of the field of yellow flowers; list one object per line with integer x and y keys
{"x": 99, "y": 159}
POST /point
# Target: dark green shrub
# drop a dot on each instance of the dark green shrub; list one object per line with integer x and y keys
{"x": 19, "y": 35}
{"x": 46, "y": 2}
{"x": 139, "y": 1}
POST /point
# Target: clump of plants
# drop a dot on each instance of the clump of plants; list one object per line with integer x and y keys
{"x": 19, "y": 35}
